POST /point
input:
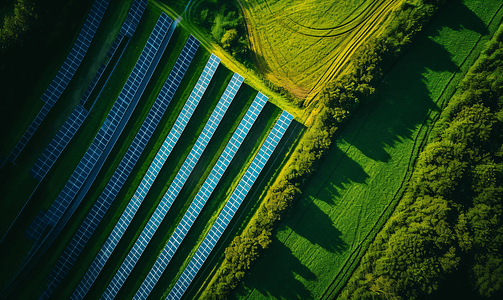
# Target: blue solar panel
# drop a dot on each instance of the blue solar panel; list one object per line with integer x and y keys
{"x": 230, "y": 208}
{"x": 73, "y": 185}
{"x": 58, "y": 143}
{"x": 122, "y": 172}
{"x": 173, "y": 190}
{"x": 29, "y": 133}
{"x": 77, "y": 53}
{"x": 59, "y": 83}
{"x": 37, "y": 227}
{"x": 201, "y": 198}
{"x": 133, "y": 82}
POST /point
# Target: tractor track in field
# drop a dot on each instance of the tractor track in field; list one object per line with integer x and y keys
{"x": 347, "y": 37}
{"x": 340, "y": 59}
{"x": 334, "y": 31}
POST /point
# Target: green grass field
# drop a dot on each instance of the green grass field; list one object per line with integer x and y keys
{"x": 361, "y": 180}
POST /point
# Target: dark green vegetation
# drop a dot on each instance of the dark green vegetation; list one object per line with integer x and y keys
{"x": 223, "y": 21}
{"x": 445, "y": 239}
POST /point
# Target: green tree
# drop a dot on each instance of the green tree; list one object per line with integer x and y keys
{"x": 229, "y": 38}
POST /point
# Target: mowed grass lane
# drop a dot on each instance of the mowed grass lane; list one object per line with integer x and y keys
{"x": 301, "y": 45}
{"x": 361, "y": 180}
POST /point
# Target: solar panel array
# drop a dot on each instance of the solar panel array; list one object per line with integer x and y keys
{"x": 101, "y": 70}
{"x": 152, "y": 172}
{"x": 122, "y": 172}
{"x": 133, "y": 18}
{"x": 58, "y": 143}
{"x": 175, "y": 187}
{"x": 133, "y": 82}
{"x": 231, "y": 206}
{"x": 37, "y": 227}
{"x": 29, "y": 132}
{"x": 126, "y": 165}
{"x": 79, "y": 49}
{"x": 202, "y": 197}
{"x": 113, "y": 119}
{"x": 73, "y": 185}
{"x": 65, "y": 73}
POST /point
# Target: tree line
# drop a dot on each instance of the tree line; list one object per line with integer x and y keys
{"x": 445, "y": 239}
{"x": 337, "y": 102}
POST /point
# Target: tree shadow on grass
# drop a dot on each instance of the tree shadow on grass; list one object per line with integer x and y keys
{"x": 403, "y": 101}
{"x": 334, "y": 173}
{"x": 321, "y": 231}
{"x": 280, "y": 281}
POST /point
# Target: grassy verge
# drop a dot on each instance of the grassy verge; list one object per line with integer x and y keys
{"x": 360, "y": 181}
{"x": 252, "y": 77}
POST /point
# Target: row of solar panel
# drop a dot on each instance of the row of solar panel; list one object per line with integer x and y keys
{"x": 231, "y": 207}
{"x": 58, "y": 143}
{"x": 63, "y": 77}
{"x": 101, "y": 70}
{"x": 133, "y": 82}
{"x": 122, "y": 172}
{"x": 175, "y": 187}
{"x": 37, "y": 228}
{"x": 72, "y": 62}
{"x": 133, "y": 17}
{"x": 69, "y": 191}
{"x": 114, "y": 185}
{"x": 29, "y": 132}
{"x": 73, "y": 185}
{"x": 201, "y": 197}
{"x": 148, "y": 179}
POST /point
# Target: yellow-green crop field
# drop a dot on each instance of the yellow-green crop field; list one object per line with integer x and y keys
{"x": 302, "y": 45}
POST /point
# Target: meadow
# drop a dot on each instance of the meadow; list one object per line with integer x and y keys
{"x": 359, "y": 183}
{"x": 302, "y": 45}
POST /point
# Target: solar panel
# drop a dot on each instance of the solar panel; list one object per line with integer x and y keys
{"x": 160, "y": 32}
{"x": 201, "y": 198}
{"x": 72, "y": 186}
{"x": 59, "y": 83}
{"x": 230, "y": 207}
{"x": 133, "y": 82}
{"x": 77, "y": 53}
{"x": 59, "y": 143}
{"x": 37, "y": 227}
{"x": 123, "y": 171}
{"x": 175, "y": 187}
